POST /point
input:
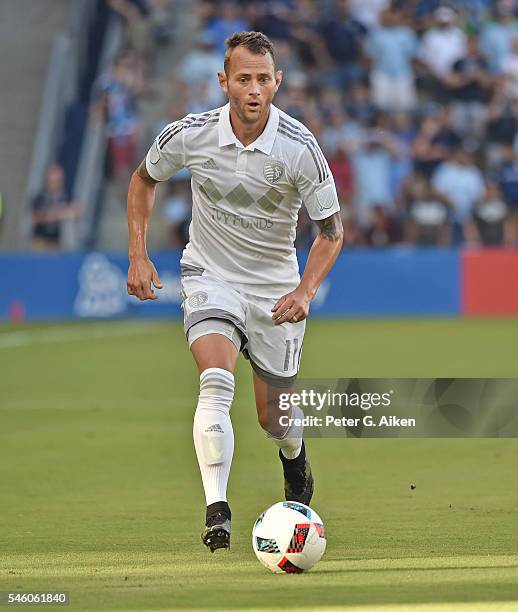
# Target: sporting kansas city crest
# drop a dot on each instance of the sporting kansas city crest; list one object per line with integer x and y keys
{"x": 273, "y": 171}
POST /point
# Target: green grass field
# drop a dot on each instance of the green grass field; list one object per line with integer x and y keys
{"x": 101, "y": 496}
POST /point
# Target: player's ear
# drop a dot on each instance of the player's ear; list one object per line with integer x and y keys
{"x": 223, "y": 83}
{"x": 278, "y": 79}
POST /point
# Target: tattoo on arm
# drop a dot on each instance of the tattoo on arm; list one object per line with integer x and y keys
{"x": 331, "y": 228}
{"x": 144, "y": 174}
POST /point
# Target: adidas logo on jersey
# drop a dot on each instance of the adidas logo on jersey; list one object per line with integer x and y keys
{"x": 209, "y": 164}
{"x": 215, "y": 427}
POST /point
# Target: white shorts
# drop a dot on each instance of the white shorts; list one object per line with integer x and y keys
{"x": 273, "y": 350}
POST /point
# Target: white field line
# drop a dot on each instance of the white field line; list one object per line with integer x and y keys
{"x": 73, "y": 334}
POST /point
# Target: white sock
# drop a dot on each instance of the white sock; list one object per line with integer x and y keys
{"x": 212, "y": 432}
{"x": 290, "y": 442}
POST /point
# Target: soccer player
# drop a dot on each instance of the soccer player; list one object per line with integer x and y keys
{"x": 252, "y": 166}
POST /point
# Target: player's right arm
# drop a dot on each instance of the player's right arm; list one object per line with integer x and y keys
{"x": 164, "y": 158}
{"x": 141, "y": 199}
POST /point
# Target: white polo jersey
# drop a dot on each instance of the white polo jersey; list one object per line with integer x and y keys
{"x": 246, "y": 199}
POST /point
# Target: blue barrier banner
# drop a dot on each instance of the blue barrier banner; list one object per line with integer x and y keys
{"x": 83, "y": 286}
{"x": 392, "y": 282}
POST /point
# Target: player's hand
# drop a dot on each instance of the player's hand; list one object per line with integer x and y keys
{"x": 292, "y": 307}
{"x": 142, "y": 277}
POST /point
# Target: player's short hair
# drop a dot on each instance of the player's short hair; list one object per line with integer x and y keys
{"x": 256, "y": 42}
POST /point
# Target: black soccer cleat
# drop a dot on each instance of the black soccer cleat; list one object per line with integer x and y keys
{"x": 217, "y": 532}
{"x": 298, "y": 479}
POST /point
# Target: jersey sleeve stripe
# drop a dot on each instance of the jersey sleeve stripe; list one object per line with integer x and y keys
{"x": 178, "y": 124}
{"x": 311, "y": 143}
{"x": 167, "y": 137}
{"x": 321, "y": 169}
{"x": 293, "y": 126}
{"x": 318, "y": 151}
{"x": 164, "y": 136}
{"x": 202, "y": 123}
{"x": 170, "y": 135}
{"x": 317, "y": 161}
{"x": 282, "y": 130}
{"x": 195, "y": 121}
{"x": 204, "y": 118}
{"x": 310, "y": 149}
{"x": 294, "y": 129}
{"x": 320, "y": 155}
{"x": 167, "y": 130}
{"x": 311, "y": 146}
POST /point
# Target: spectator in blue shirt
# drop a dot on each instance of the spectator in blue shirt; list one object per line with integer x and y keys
{"x": 496, "y": 36}
{"x": 461, "y": 185}
{"x": 392, "y": 47}
{"x": 373, "y": 167}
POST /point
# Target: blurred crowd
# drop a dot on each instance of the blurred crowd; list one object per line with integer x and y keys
{"x": 146, "y": 24}
{"x": 415, "y": 104}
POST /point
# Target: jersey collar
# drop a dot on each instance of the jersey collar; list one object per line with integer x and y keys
{"x": 265, "y": 140}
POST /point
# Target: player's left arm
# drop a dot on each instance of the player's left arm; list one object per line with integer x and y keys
{"x": 317, "y": 188}
{"x": 294, "y": 306}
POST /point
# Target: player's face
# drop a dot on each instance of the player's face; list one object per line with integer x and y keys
{"x": 251, "y": 84}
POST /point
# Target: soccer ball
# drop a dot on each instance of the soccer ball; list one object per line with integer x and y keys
{"x": 289, "y": 537}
